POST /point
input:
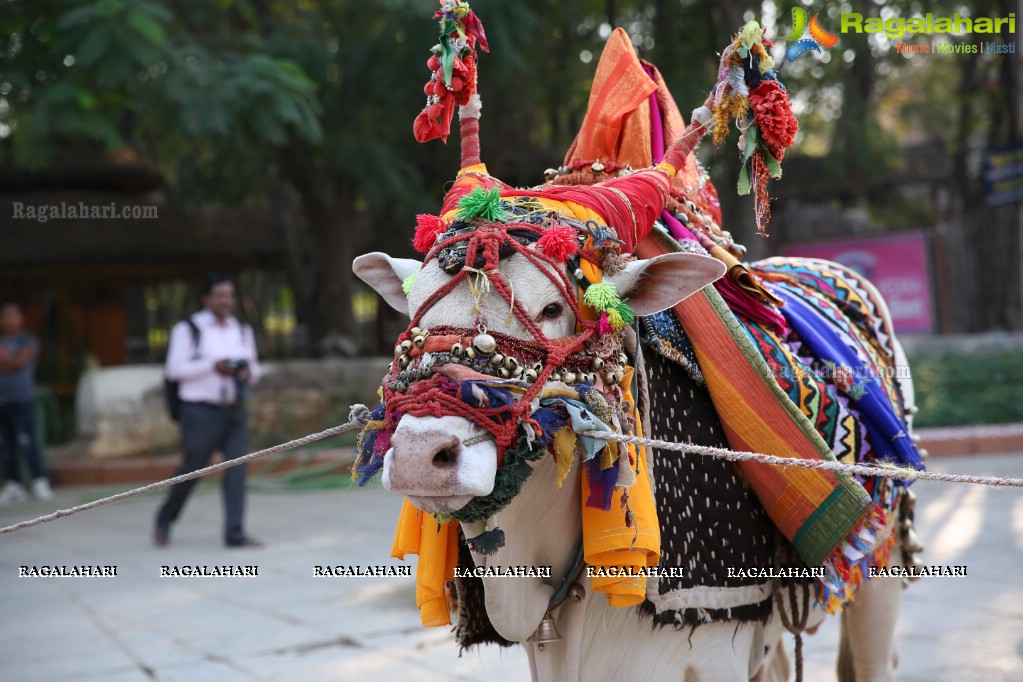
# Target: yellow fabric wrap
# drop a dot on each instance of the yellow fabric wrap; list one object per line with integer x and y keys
{"x": 608, "y": 542}
{"x": 564, "y": 452}
{"x": 437, "y": 547}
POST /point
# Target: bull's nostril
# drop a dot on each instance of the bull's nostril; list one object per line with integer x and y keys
{"x": 446, "y": 457}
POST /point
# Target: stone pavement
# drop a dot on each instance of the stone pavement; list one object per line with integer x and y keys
{"x": 286, "y": 624}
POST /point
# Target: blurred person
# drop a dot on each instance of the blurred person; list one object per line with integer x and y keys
{"x": 215, "y": 363}
{"x": 18, "y": 353}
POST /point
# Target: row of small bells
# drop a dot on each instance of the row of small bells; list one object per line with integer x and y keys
{"x": 484, "y": 345}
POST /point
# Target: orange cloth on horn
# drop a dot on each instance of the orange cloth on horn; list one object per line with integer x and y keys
{"x": 617, "y": 122}
{"x": 617, "y": 125}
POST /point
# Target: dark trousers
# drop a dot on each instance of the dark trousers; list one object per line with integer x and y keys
{"x": 204, "y": 429}
{"x": 18, "y": 431}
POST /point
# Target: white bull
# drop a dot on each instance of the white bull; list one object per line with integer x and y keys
{"x": 430, "y": 464}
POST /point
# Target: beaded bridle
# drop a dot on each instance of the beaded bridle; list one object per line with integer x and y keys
{"x": 499, "y": 382}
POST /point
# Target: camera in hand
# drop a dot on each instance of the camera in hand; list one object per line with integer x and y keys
{"x": 236, "y": 365}
{"x": 241, "y": 381}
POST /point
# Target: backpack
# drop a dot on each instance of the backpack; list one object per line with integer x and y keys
{"x": 170, "y": 386}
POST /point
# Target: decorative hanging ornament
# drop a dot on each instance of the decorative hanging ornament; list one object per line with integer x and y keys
{"x": 453, "y": 65}
{"x": 749, "y": 93}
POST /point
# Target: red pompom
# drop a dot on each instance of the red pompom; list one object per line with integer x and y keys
{"x": 433, "y": 63}
{"x": 427, "y": 229}
{"x": 772, "y": 114}
{"x": 559, "y": 243}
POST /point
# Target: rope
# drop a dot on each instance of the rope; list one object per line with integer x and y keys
{"x": 882, "y": 470}
{"x": 796, "y": 623}
{"x": 357, "y": 418}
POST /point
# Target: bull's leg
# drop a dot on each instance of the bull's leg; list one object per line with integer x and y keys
{"x": 776, "y": 666}
{"x": 868, "y": 625}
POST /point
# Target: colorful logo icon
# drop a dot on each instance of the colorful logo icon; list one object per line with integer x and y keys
{"x": 819, "y": 36}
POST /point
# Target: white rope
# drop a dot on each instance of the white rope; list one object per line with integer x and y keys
{"x": 357, "y": 418}
{"x": 881, "y": 469}
{"x": 359, "y": 415}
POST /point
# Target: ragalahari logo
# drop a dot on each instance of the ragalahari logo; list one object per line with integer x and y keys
{"x": 819, "y": 37}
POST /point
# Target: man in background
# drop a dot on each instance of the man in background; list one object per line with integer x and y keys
{"x": 18, "y": 353}
{"x": 213, "y": 357}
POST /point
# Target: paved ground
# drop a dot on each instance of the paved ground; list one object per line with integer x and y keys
{"x": 287, "y": 625}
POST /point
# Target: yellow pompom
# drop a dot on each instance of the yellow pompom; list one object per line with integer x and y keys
{"x": 614, "y": 318}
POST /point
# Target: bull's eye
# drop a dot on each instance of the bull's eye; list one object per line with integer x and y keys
{"x": 552, "y": 310}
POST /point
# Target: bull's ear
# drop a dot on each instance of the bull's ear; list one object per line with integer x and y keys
{"x": 385, "y": 275}
{"x": 662, "y": 281}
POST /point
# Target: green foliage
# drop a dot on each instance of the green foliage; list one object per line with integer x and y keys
{"x": 959, "y": 390}
{"x": 118, "y": 72}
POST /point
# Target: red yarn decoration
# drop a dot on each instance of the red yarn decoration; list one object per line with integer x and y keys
{"x": 427, "y": 228}
{"x": 559, "y": 243}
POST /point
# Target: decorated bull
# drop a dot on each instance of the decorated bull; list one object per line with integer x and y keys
{"x": 608, "y": 300}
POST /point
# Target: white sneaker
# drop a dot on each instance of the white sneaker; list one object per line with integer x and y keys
{"x": 41, "y": 489}
{"x": 12, "y": 492}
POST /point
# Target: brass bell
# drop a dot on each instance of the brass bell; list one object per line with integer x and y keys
{"x": 457, "y": 350}
{"x": 914, "y": 567}
{"x": 530, "y": 375}
{"x": 546, "y": 632}
{"x": 419, "y": 341}
{"x": 398, "y": 350}
{"x": 596, "y": 168}
{"x": 598, "y": 364}
{"x": 403, "y": 361}
{"x": 485, "y": 344}
{"x": 568, "y": 377}
{"x": 550, "y": 174}
{"x": 416, "y": 331}
{"x": 503, "y": 373}
{"x": 497, "y": 360}
{"x": 912, "y": 543}
{"x": 405, "y": 346}
{"x": 470, "y": 353}
{"x": 908, "y": 500}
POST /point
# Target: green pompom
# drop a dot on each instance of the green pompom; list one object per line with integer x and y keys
{"x": 623, "y": 309}
{"x": 406, "y": 285}
{"x": 602, "y": 296}
{"x": 481, "y": 203}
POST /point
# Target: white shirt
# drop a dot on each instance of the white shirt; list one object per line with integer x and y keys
{"x": 199, "y": 380}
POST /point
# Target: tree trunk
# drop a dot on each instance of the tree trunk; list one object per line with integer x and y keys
{"x": 322, "y": 276}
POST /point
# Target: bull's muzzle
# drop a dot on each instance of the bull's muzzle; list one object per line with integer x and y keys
{"x": 429, "y": 464}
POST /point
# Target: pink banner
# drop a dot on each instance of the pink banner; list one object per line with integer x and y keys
{"x": 896, "y": 265}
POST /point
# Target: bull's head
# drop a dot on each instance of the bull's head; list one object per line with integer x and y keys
{"x": 502, "y": 343}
